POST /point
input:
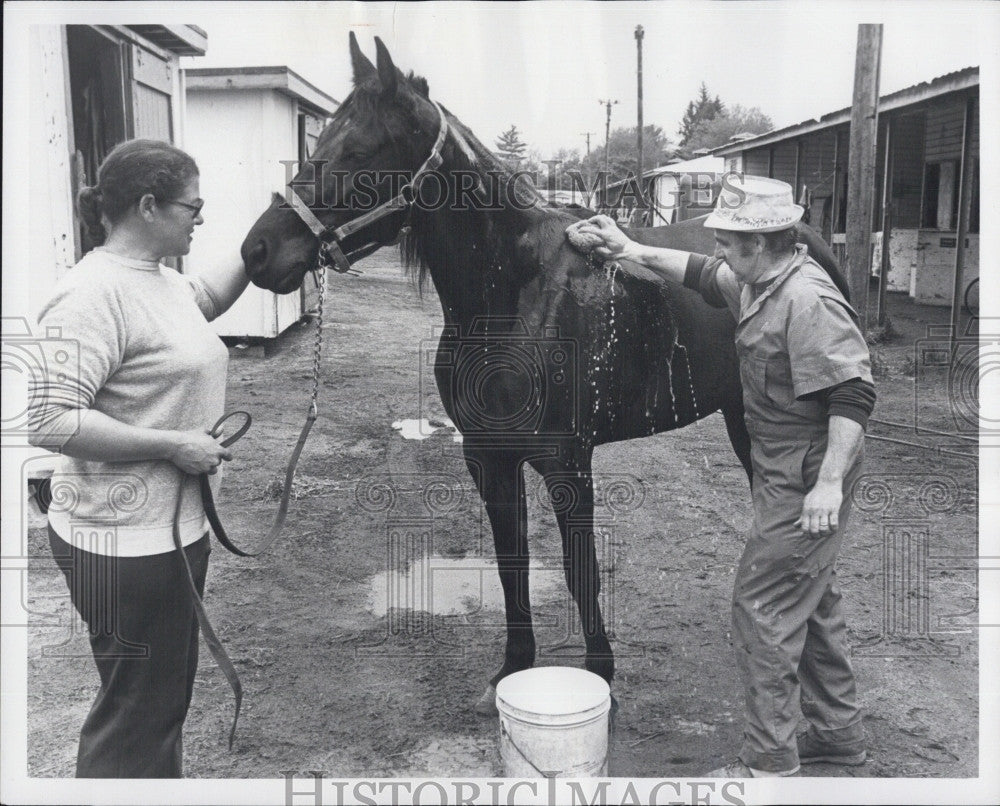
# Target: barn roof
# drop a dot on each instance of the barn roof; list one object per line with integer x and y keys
{"x": 918, "y": 93}
{"x": 280, "y": 78}
{"x": 702, "y": 164}
{"x": 184, "y": 40}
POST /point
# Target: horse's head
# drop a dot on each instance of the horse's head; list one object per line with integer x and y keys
{"x": 379, "y": 136}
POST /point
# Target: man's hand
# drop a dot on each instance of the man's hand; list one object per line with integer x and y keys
{"x": 821, "y": 509}
{"x": 821, "y": 506}
{"x": 600, "y": 235}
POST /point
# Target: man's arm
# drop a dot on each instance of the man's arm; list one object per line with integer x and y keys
{"x": 821, "y": 506}
{"x": 613, "y": 244}
{"x": 601, "y": 236}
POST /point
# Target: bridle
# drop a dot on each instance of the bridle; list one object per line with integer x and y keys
{"x": 331, "y": 253}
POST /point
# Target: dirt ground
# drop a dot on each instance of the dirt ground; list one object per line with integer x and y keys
{"x": 344, "y": 672}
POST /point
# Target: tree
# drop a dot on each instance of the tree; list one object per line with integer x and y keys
{"x": 720, "y": 129}
{"x": 622, "y": 155}
{"x": 703, "y": 108}
{"x": 510, "y": 147}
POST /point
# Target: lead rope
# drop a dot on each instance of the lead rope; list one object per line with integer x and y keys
{"x": 211, "y": 639}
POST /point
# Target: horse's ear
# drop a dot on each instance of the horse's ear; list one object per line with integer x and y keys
{"x": 363, "y": 67}
{"x": 387, "y": 72}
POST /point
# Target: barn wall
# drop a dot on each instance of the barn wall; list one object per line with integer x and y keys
{"x": 281, "y": 143}
{"x": 783, "y": 166}
{"x": 756, "y": 162}
{"x": 52, "y": 236}
{"x": 907, "y": 169}
{"x": 259, "y": 128}
{"x": 944, "y": 131}
{"x": 933, "y": 276}
{"x": 816, "y": 164}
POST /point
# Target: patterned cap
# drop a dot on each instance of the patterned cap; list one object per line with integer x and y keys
{"x": 754, "y": 204}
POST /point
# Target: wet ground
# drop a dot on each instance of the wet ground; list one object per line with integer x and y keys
{"x": 368, "y": 634}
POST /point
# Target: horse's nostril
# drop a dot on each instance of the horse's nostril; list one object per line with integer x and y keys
{"x": 253, "y": 258}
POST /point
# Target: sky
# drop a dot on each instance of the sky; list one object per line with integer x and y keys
{"x": 546, "y": 66}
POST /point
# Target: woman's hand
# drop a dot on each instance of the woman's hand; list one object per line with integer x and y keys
{"x": 197, "y": 452}
{"x": 600, "y": 235}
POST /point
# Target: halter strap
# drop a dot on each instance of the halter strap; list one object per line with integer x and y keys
{"x": 330, "y": 238}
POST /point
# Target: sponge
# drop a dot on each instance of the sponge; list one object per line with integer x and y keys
{"x": 584, "y": 242}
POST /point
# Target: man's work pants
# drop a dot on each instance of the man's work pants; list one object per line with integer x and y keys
{"x": 788, "y": 627}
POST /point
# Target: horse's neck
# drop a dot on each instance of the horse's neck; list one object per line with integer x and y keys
{"x": 473, "y": 255}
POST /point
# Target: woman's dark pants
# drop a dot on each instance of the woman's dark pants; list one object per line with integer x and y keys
{"x": 144, "y": 637}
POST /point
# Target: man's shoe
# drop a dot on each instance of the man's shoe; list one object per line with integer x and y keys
{"x": 738, "y": 769}
{"x": 813, "y": 750}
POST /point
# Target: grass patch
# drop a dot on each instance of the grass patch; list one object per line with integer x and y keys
{"x": 302, "y": 487}
{"x": 880, "y": 334}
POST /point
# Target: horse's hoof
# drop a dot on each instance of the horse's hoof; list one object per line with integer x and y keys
{"x": 487, "y": 705}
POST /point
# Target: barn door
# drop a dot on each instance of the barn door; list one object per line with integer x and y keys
{"x": 98, "y": 105}
{"x": 151, "y": 81}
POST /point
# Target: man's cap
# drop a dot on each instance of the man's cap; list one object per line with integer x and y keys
{"x": 754, "y": 204}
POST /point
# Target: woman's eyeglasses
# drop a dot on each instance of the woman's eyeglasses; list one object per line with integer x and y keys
{"x": 194, "y": 208}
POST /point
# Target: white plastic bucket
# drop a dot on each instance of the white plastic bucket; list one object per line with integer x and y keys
{"x": 554, "y": 723}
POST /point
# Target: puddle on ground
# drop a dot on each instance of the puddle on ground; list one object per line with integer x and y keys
{"x": 421, "y": 429}
{"x": 444, "y": 586}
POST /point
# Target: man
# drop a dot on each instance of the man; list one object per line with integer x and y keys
{"x": 807, "y": 390}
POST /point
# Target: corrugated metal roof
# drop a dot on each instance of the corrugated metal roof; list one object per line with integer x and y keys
{"x": 949, "y": 82}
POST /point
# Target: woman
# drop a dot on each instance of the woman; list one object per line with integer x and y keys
{"x": 131, "y": 417}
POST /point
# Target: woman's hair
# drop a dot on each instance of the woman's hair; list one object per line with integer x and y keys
{"x": 133, "y": 169}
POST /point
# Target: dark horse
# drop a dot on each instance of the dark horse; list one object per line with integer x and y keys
{"x": 544, "y": 354}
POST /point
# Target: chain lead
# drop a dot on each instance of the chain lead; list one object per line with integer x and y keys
{"x": 313, "y": 407}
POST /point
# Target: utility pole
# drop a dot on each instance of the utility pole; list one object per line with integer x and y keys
{"x": 861, "y": 166}
{"x": 638, "y": 45}
{"x": 587, "y": 135}
{"x": 607, "y": 132}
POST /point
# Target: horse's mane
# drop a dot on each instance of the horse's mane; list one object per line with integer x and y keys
{"x": 483, "y": 226}
{"x": 464, "y": 151}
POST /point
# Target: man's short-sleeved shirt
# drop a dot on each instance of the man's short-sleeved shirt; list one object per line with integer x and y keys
{"x": 795, "y": 337}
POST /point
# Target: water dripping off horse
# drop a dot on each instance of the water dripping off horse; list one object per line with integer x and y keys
{"x": 544, "y": 355}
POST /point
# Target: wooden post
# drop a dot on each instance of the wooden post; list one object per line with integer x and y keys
{"x": 861, "y": 166}
{"x": 796, "y": 190}
{"x": 835, "y": 195}
{"x": 964, "y": 210}
{"x": 883, "y": 279}
{"x": 638, "y": 46}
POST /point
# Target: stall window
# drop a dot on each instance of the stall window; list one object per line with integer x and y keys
{"x": 940, "y": 209}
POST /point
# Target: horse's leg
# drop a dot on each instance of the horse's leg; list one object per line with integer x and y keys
{"x": 736, "y": 427}
{"x": 499, "y": 478}
{"x": 571, "y": 491}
